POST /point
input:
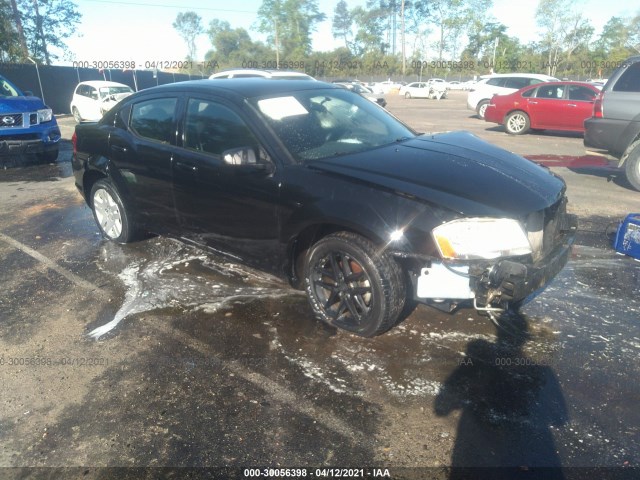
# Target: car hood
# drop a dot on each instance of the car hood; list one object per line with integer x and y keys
{"x": 20, "y": 104}
{"x": 455, "y": 170}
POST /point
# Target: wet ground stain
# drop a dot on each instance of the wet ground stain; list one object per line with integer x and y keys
{"x": 570, "y": 161}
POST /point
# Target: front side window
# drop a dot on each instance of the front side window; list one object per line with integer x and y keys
{"x": 629, "y": 81}
{"x": 7, "y": 90}
{"x": 315, "y": 124}
{"x": 213, "y": 128}
{"x": 153, "y": 119}
{"x": 106, "y": 91}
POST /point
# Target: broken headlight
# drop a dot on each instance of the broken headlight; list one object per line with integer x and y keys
{"x": 481, "y": 238}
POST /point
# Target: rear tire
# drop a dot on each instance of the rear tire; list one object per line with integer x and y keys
{"x": 351, "y": 285}
{"x": 114, "y": 219}
{"x": 481, "y": 108}
{"x": 632, "y": 167}
{"x": 517, "y": 123}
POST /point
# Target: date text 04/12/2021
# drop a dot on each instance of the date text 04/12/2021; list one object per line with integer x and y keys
{"x": 316, "y": 473}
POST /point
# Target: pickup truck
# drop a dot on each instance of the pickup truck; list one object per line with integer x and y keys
{"x": 27, "y": 125}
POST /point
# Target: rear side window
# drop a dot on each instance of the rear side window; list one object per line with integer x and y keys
{"x": 153, "y": 119}
{"x": 517, "y": 82}
{"x": 496, "y": 82}
{"x": 629, "y": 81}
{"x": 550, "y": 91}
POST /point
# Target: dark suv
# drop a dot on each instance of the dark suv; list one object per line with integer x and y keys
{"x": 615, "y": 124}
{"x": 27, "y": 125}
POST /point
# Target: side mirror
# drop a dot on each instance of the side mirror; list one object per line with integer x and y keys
{"x": 245, "y": 159}
{"x": 240, "y": 156}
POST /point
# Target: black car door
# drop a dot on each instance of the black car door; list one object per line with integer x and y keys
{"x": 143, "y": 149}
{"x": 226, "y": 201}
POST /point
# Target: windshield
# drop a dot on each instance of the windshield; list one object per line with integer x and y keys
{"x": 106, "y": 91}
{"x": 315, "y": 124}
{"x": 7, "y": 89}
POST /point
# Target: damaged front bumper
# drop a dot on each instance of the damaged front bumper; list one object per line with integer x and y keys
{"x": 492, "y": 285}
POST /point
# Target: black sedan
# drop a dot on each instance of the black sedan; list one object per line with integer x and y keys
{"x": 325, "y": 188}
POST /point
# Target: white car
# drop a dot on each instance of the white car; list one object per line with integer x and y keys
{"x": 91, "y": 100}
{"x": 440, "y": 82}
{"x": 415, "y": 90}
{"x": 500, "y": 84}
{"x": 384, "y": 87}
{"x": 256, "y": 72}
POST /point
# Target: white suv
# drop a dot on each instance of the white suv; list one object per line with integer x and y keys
{"x": 256, "y": 72}
{"x": 500, "y": 84}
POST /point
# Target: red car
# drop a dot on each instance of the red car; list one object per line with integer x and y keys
{"x": 544, "y": 106}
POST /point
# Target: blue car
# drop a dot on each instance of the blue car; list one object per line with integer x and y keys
{"x": 27, "y": 125}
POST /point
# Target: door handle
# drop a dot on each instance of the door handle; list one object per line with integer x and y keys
{"x": 118, "y": 148}
{"x": 186, "y": 166}
{"x": 532, "y": 102}
{"x": 571, "y": 105}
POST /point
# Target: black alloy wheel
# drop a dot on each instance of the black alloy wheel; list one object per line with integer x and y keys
{"x": 353, "y": 286}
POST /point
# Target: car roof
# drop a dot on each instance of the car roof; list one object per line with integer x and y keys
{"x": 562, "y": 82}
{"x": 102, "y": 83}
{"x": 245, "y": 87}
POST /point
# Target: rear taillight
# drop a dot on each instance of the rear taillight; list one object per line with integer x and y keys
{"x": 74, "y": 142}
{"x": 598, "y": 111}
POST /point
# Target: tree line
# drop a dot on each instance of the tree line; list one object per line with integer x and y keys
{"x": 383, "y": 38}
{"x": 407, "y": 38}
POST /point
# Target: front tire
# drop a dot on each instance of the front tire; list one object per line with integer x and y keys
{"x": 351, "y": 285}
{"x": 517, "y": 123}
{"x": 110, "y": 213}
{"x": 76, "y": 115}
{"x": 407, "y": 95}
{"x": 632, "y": 168}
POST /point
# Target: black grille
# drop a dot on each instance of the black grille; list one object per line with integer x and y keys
{"x": 11, "y": 120}
{"x": 33, "y": 118}
{"x": 25, "y": 136}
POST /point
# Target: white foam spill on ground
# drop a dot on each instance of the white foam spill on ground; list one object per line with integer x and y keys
{"x": 168, "y": 280}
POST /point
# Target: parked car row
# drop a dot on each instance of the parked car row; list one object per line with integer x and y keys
{"x": 423, "y": 90}
{"x": 609, "y": 114}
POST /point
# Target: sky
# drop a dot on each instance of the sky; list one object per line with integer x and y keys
{"x": 142, "y": 31}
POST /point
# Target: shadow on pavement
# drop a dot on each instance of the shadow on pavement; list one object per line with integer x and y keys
{"x": 509, "y": 404}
